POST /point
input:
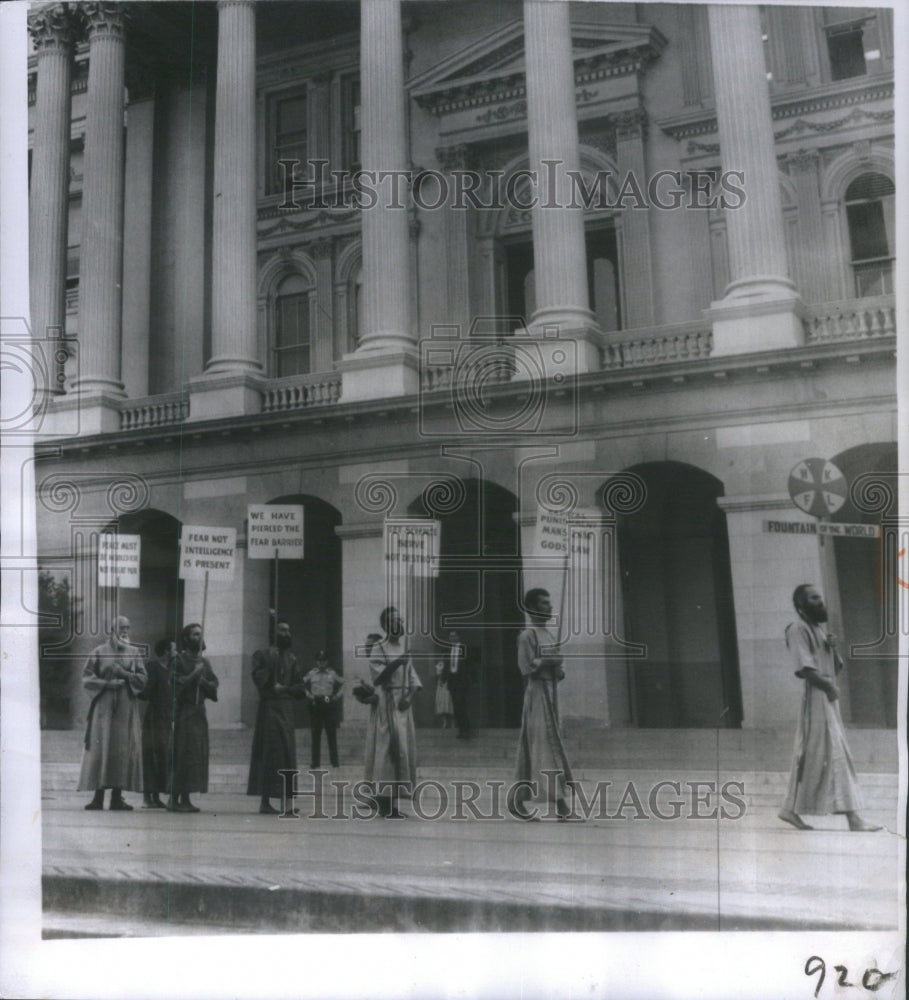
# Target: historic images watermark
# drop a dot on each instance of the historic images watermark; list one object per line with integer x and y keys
{"x": 551, "y": 187}
{"x": 492, "y": 800}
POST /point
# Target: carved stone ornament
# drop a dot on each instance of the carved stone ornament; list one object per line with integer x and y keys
{"x": 52, "y": 27}
{"x": 104, "y": 18}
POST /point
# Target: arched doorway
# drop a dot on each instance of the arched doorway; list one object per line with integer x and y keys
{"x": 872, "y": 679}
{"x": 677, "y": 594}
{"x": 155, "y": 609}
{"x": 309, "y": 589}
{"x": 477, "y": 593}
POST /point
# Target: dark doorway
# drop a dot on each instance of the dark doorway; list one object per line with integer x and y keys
{"x": 677, "y": 589}
{"x": 309, "y": 589}
{"x": 602, "y": 278}
{"x": 872, "y": 676}
{"x": 155, "y": 610}
{"x": 477, "y": 593}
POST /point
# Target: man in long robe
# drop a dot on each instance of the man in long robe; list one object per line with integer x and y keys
{"x": 540, "y": 743}
{"x": 279, "y": 680}
{"x": 193, "y": 682}
{"x": 391, "y": 744}
{"x": 157, "y": 724}
{"x": 823, "y": 776}
{"x": 115, "y": 675}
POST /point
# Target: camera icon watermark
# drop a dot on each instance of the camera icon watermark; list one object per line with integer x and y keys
{"x": 498, "y": 384}
{"x": 35, "y": 370}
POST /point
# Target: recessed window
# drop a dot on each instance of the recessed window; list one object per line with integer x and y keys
{"x": 292, "y": 344}
{"x": 846, "y": 50}
{"x": 351, "y": 122}
{"x": 288, "y": 138}
{"x": 870, "y": 217}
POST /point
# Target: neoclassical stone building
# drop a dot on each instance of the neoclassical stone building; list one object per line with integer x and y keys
{"x": 462, "y": 260}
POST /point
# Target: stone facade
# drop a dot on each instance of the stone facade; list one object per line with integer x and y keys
{"x": 714, "y": 305}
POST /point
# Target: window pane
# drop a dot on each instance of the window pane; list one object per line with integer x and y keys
{"x": 292, "y": 334}
{"x": 847, "y": 54}
{"x": 867, "y": 232}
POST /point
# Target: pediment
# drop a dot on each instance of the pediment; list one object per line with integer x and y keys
{"x": 495, "y": 64}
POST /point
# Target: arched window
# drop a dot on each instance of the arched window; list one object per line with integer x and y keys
{"x": 291, "y": 348}
{"x": 871, "y": 220}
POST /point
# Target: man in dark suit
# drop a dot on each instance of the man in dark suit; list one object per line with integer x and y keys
{"x": 459, "y": 674}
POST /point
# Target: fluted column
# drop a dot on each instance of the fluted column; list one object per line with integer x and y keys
{"x": 51, "y": 29}
{"x": 810, "y": 267}
{"x": 234, "y": 227}
{"x": 637, "y": 264}
{"x": 560, "y": 256}
{"x": 386, "y": 249}
{"x": 455, "y": 158}
{"x": 101, "y": 262}
{"x": 757, "y": 245}
{"x": 758, "y": 266}
{"x": 385, "y": 362}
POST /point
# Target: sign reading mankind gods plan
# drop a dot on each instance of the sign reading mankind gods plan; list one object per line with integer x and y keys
{"x": 118, "y": 560}
{"x": 275, "y": 530}
{"x": 207, "y": 551}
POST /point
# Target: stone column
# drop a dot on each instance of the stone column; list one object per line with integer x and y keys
{"x": 457, "y": 299}
{"x": 636, "y": 260}
{"x": 101, "y": 265}
{"x": 234, "y": 244}
{"x": 321, "y": 355}
{"x": 810, "y": 267}
{"x": 384, "y": 364}
{"x": 230, "y": 385}
{"x": 137, "y": 236}
{"x": 560, "y": 256}
{"x": 759, "y": 310}
{"x": 52, "y": 34}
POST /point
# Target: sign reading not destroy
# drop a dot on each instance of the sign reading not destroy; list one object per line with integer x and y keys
{"x": 118, "y": 560}
{"x": 275, "y": 529}
{"x": 411, "y": 547}
{"x": 207, "y": 550}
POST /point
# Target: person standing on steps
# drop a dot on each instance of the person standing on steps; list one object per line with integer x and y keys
{"x": 193, "y": 682}
{"x": 115, "y": 675}
{"x": 540, "y": 748}
{"x": 279, "y": 681}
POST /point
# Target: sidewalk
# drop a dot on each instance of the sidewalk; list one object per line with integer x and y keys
{"x": 228, "y": 868}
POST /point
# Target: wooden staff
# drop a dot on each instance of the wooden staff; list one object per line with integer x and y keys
{"x": 204, "y": 603}
{"x": 276, "y": 591}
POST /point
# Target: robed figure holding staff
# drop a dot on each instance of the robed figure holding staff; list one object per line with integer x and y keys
{"x": 391, "y": 745}
{"x": 540, "y": 746}
{"x": 194, "y": 681}
{"x": 279, "y": 680}
{"x": 115, "y": 675}
{"x": 823, "y": 778}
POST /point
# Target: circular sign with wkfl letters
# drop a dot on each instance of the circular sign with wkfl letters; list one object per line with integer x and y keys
{"x": 818, "y": 487}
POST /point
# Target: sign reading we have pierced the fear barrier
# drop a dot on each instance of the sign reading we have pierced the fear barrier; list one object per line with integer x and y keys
{"x": 275, "y": 530}
{"x": 118, "y": 560}
{"x": 207, "y": 552}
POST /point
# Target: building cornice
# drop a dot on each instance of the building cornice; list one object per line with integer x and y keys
{"x": 748, "y": 368}
{"x": 784, "y": 106}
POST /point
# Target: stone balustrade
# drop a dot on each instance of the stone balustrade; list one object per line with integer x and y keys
{"x": 658, "y": 346}
{"x": 153, "y": 411}
{"x": 299, "y": 392}
{"x": 852, "y": 319}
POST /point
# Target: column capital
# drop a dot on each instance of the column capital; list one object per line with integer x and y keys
{"x": 104, "y": 18}
{"x": 52, "y": 28}
{"x": 454, "y": 157}
{"x": 321, "y": 249}
{"x": 803, "y": 160}
{"x": 629, "y": 124}
{"x": 222, "y": 4}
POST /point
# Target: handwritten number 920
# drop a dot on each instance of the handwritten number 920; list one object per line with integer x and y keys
{"x": 872, "y": 980}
